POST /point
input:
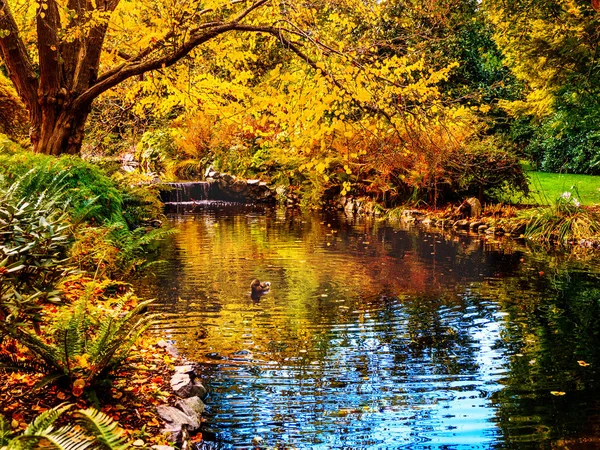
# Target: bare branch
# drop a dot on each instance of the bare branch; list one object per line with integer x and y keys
{"x": 248, "y": 10}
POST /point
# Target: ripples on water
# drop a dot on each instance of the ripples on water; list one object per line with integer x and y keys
{"x": 374, "y": 337}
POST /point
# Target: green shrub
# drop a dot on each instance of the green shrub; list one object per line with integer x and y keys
{"x": 83, "y": 184}
{"x": 569, "y": 140}
{"x": 35, "y": 235}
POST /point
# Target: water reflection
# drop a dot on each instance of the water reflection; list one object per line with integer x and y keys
{"x": 375, "y": 337}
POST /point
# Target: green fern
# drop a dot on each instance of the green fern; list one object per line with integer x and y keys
{"x": 105, "y": 430}
{"x": 98, "y": 431}
{"x": 43, "y": 423}
{"x": 102, "y": 336}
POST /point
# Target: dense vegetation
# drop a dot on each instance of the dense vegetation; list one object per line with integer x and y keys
{"x": 404, "y": 102}
{"x": 398, "y": 100}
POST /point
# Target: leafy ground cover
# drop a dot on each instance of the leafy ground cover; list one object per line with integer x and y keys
{"x": 130, "y": 399}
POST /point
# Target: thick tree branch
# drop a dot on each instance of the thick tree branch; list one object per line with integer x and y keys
{"x": 131, "y": 69}
{"x": 72, "y": 51}
{"x": 48, "y": 23}
{"x": 14, "y": 55}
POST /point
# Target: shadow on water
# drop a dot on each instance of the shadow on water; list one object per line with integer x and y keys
{"x": 379, "y": 337}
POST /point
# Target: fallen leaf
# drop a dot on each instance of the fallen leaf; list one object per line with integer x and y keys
{"x": 78, "y": 386}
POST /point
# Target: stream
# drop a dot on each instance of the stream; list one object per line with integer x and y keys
{"x": 375, "y": 336}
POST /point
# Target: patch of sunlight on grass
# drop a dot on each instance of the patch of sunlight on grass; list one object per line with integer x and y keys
{"x": 547, "y": 187}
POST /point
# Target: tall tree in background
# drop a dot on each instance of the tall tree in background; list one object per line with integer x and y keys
{"x": 553, "y": 48}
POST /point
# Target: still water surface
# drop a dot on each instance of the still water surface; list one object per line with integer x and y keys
{"x": 379, "y": 337}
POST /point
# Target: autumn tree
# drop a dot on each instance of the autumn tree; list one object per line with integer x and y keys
{"x": 552, "y": 47}
{"x": 62, "y": 55}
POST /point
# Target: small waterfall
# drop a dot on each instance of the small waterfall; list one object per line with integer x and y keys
{"x": 189, "y": 192}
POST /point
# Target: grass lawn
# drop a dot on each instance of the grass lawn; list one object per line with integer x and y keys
{"x": 547, "y": 187}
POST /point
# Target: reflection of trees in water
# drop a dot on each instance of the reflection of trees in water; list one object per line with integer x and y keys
{"x": 388, "y": 303}
{"x": 553, "y": 322}
{"x": 430, "y": 329}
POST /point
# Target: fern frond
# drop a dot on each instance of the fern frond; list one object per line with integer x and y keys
{"x": 5, "y": 432}
{"x": 43, "y": 423}
{"x": 65, "y": 438}
{"x": 106, "y": 431}
{"x": 46, "y": 353}
{"x": 10, "y": 363}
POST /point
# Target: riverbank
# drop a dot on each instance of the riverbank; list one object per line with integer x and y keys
{"x": 130, "y": 398}
{"x": 565, "y": 222}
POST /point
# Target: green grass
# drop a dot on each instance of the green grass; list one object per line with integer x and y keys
{"x": 547, "y": 187}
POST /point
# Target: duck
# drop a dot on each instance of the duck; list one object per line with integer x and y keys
{"x": 259, "y": 288}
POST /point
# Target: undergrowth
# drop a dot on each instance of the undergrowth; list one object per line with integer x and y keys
{"x": 564, "y": 221}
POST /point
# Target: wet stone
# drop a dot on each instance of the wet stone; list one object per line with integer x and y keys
{"x": 185, "y": 387}
{"x": 193, "y": 407}
{"x": 176, "y": 419}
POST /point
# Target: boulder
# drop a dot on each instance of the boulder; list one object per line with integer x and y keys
{"x": 415, "y": 214}
{"x": 239, "y": 186}
{"x": 185, "y": 387}
{"x": 475, "y": 205}
{"x": 187, "y": 369}
{"x": 229, "y": 179}
{"x": 168, "y": 346}
{"x": 461, "y": 224}
{"x": 175, "y": 419}
{"x": 192, "y": 407}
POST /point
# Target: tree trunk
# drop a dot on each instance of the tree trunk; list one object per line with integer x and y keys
{"x": 59, "y": 131}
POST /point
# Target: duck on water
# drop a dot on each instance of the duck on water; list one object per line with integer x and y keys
{"x": 259, "y": 288}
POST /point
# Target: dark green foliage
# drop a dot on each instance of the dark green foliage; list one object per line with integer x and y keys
{"x": 569, "y": 141}
{"x": 553, "y": 48}
{"x": 450, "y": 31}
{"x": 91, "y": 194}
{"x": 34, "y": 240}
